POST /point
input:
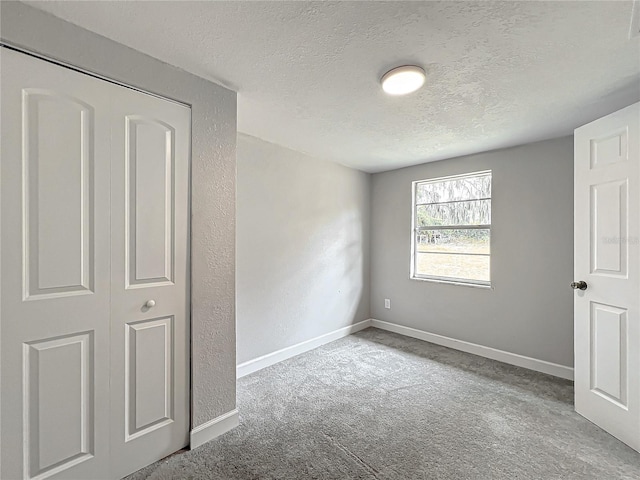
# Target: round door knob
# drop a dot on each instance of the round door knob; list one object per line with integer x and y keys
{"x": 150, "y": 303}
{"x": 581, "y": 285}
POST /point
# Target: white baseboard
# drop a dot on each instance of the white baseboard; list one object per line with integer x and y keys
{"x": 214, "y": 428}
{"x": 488, "y": 352}
{"x": 543, "y": 366}
{"x": 278, "y": 356}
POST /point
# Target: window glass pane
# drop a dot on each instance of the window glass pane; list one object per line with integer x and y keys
{"x": 453, "y": 241}
{"x": 475, "y": 212}
{"x": 465, "y": 188}
{"x": 463, "y": 267}
{"x": 450, "y": 238}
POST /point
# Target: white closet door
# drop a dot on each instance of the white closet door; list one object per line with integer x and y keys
{"x": 149, "y": 336}
{"x": 55, "y": 272}
{"x": 94, "y": 299}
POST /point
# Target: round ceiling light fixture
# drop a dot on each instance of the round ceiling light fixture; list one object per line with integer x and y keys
{"x": 403, "y": 80}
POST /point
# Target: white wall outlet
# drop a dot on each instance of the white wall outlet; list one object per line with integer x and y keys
{"x": 387, "y": 303}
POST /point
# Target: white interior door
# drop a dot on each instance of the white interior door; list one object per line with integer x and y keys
{"x": 54, "y": 325}
{"x": 607, "y": 260}
{"x": 149, "y": 308}
{"x": 94, "y": 223}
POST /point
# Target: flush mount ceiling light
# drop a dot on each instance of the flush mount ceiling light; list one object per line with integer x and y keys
{"x": 403, "y": 80}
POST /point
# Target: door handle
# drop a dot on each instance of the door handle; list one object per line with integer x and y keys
{"x": 150, "y": 304}
{"x": 580, "y": 285}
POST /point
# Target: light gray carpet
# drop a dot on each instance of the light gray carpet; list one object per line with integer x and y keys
{"x": 377, "y": 405}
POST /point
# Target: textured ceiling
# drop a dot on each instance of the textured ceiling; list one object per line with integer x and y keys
{"x": 307, "y": 73}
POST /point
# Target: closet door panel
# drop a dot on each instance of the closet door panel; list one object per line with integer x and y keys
{"x": 150, "y": 330}
{"x": 54, "y": 306}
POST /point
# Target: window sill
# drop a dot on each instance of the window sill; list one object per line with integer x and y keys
{"x": 453, "y": 282}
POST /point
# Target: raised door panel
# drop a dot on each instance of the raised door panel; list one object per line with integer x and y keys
{"x": 150, "y": 205}
{"x": 57, "y": 194}
{"x": 608, "y": 352}
{"x": 610, "y": 148}
{"x": 149, "y": 385}
{"x": 609, "y": 228}
{"x": 58, "y": 404}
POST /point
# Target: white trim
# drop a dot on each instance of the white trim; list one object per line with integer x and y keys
{"x": 278, "y": 356}
{"x": 460, "y": 283}
{"x": 488, "y": 352}
{"x": 214, "y": 428}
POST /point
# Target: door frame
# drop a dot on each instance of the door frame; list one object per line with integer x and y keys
{"x": 49, "y": 59}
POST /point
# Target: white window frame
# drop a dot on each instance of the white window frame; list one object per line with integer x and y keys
{"x": 415, "y": 229}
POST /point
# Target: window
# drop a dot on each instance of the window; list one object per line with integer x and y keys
{"x": 452, "y": 229}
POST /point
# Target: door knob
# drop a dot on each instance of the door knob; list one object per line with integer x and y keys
{"x": 581, "y": 285}
{"x": 152, "y": 303}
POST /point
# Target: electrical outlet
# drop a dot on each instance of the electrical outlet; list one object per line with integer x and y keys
{"x": 387, "y": 303}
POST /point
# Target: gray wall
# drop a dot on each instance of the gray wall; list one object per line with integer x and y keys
{"x": 302, "y": 247}
{"x": 529, "y": 311}
{"x": 212, "y": 187}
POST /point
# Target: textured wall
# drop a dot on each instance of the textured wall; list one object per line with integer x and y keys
{"x": 212, "y": 188}
{"x": 529, "y": 311}
{"x": 303, "y": 247}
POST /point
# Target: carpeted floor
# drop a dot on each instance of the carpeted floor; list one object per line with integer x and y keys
{"x": 376, "y": 405}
